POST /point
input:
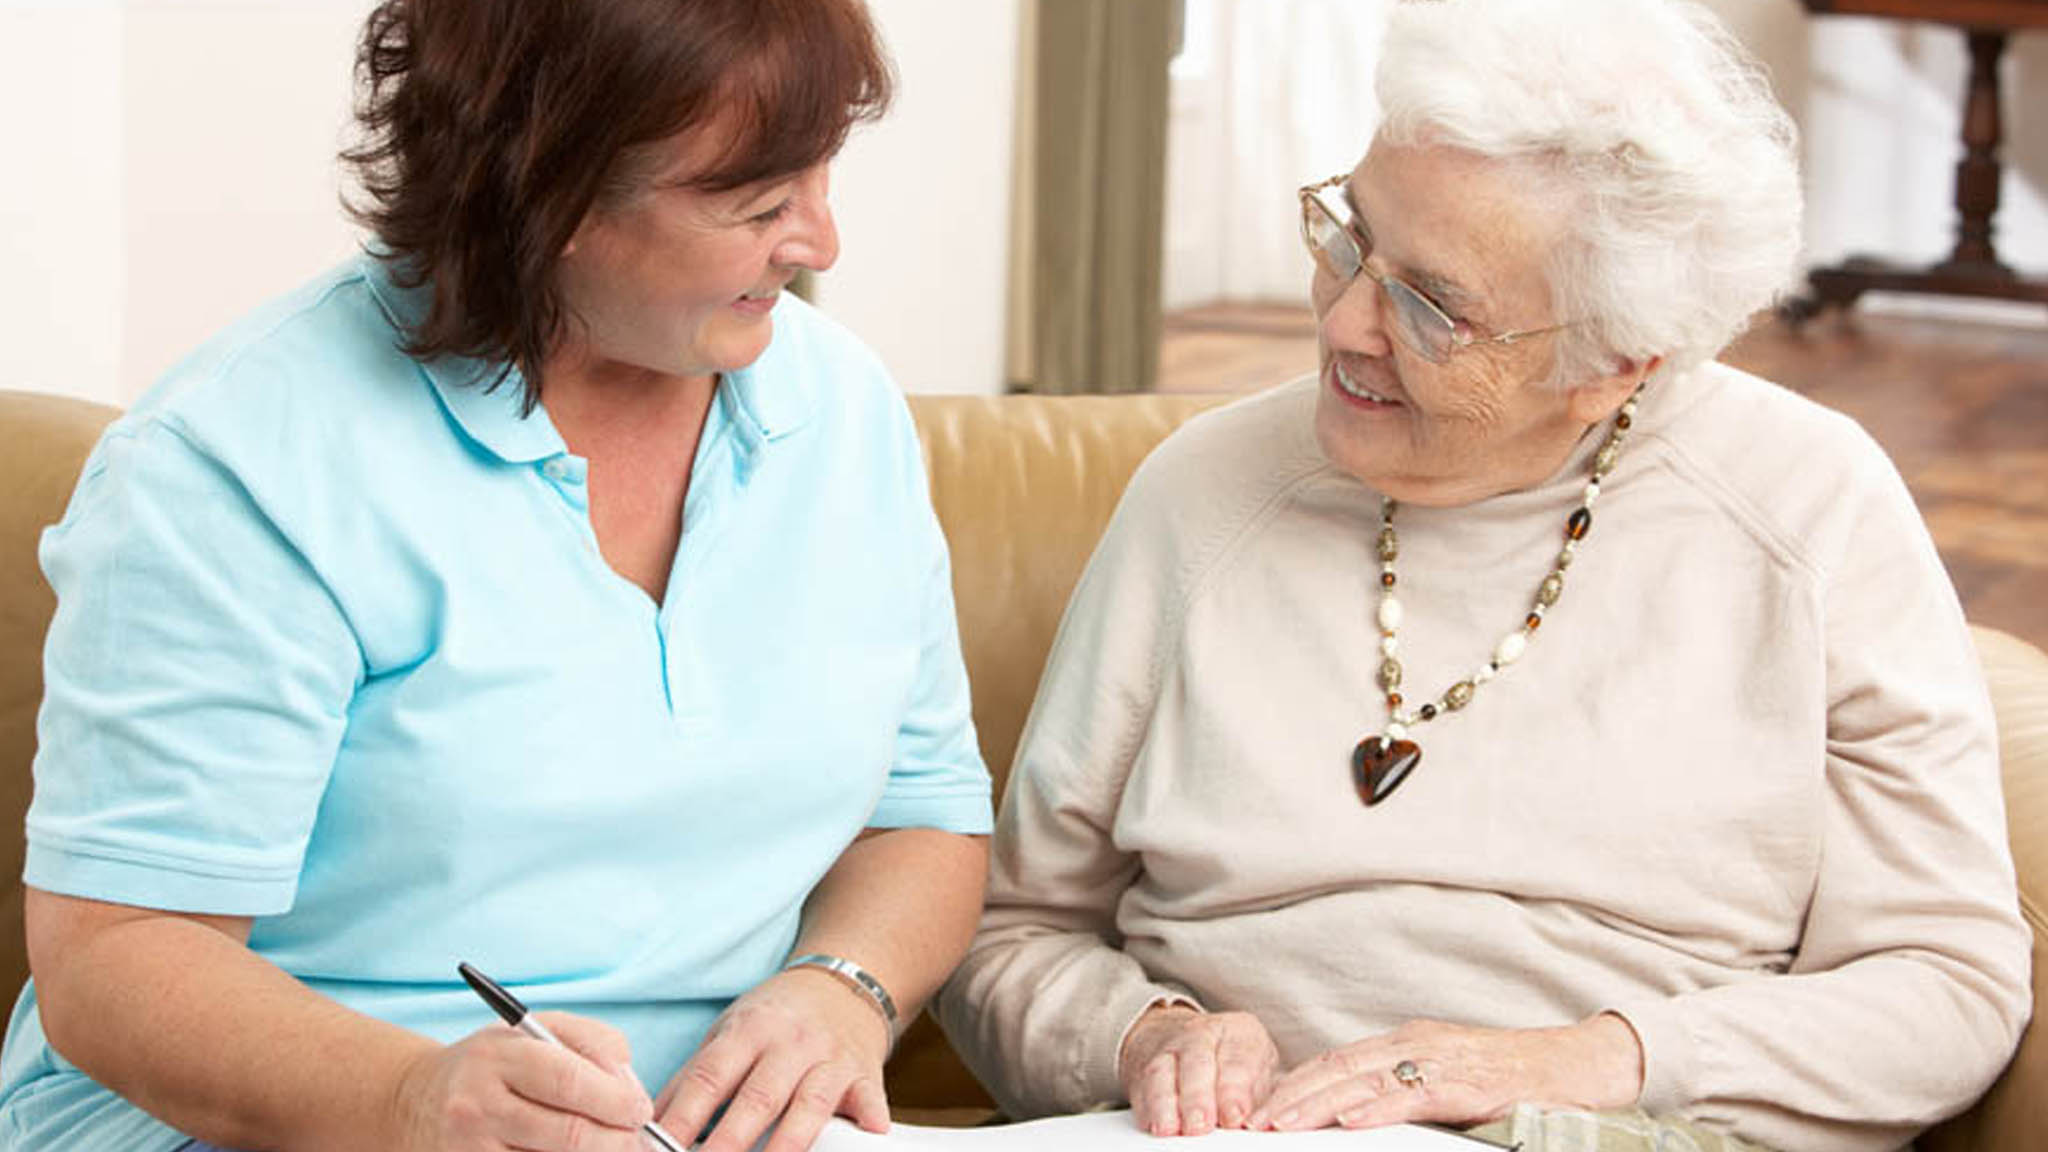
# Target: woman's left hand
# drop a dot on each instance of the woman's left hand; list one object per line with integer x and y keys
{"x": 1433, "y": 1072}
{"x": 798, "y": 1049}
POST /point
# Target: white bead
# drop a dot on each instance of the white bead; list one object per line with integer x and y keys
{"x": 1510, "y": 648}
{"x": 1389, "y": 645}
{"x": 1396, "y": 730}
{"x": 1484, "y": 674}
{"x": 1390, "y": 614}
{"x": 1592, "y": 494}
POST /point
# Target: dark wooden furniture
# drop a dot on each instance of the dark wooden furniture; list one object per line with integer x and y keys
{"x": 1973, "y": 268}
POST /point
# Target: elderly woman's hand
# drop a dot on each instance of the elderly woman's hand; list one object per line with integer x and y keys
{"x": 1186, "y": 1071}
{"x": 1447, "y": 1074}
{"x": 798, "y": 1049}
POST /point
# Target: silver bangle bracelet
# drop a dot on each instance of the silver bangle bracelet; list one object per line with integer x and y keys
{"x": 853, "y": 974}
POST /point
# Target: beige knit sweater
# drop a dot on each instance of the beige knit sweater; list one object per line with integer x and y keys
{"x": 1742, "y": 788}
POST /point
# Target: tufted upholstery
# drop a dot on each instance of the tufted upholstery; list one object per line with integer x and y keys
{"x": 1023, "y": 486}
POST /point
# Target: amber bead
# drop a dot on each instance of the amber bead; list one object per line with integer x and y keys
{"x": 1534, "y": 621}
{"x": 1393, "y": 700}
{"x": 1623, "y": 420}
{"x": 1429, "y": 711}
{"x": 1386, "y": 579}
{"x": 1579, "y": 522}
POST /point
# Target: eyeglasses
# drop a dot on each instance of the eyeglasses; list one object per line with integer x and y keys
{"x": 1340, "y": 242}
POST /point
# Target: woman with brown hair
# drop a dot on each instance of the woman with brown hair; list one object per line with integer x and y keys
{"x": 544, "y": 589}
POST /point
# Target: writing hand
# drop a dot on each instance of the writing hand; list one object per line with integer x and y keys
{"x": 498, "y": 1089}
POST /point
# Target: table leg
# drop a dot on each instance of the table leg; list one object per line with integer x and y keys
{"x": 1973, "y": 268}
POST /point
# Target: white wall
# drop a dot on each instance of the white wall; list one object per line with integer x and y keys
{"x": 923, "y": 199}
{"x": 171, "y": 163}
{"x": 60, "y": 201}
{"x": 232, "y": 112}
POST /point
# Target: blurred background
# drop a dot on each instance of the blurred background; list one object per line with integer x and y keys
{"x": 1070, "y": 195}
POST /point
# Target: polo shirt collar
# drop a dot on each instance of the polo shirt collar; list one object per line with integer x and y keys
{"x": 489, "y": 416}
{"x": 772, "y": 397}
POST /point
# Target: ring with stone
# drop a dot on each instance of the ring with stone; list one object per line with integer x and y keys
{"x": 1409, "y": 1075}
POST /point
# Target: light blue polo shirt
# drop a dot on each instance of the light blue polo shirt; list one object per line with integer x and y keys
{"x": 335, "y": 649}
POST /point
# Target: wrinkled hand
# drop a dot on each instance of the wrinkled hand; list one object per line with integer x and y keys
{"x": 1186, "y": 1072}
{"x": 800, "y": 1048}
{"x": 499, "y": 1089}
{"x": 1467, "y": 1075}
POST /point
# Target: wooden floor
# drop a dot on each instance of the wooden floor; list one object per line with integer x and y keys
{"x": 1962, "y": 408}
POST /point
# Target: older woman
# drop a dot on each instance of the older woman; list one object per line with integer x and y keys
{"x": 1526, "y": 720}
{"x": 545, "y": 590}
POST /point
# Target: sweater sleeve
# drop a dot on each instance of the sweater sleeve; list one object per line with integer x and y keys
{"x": 1909, "y": 987}
{"x": 1040, "y": 1004}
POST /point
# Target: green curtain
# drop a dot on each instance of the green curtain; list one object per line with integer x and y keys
{"x": 1097, "y": 188}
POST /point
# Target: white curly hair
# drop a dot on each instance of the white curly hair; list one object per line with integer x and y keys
{"x": 1679, "y": 168}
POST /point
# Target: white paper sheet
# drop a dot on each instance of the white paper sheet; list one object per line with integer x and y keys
{"x": 1115, "y": 1132}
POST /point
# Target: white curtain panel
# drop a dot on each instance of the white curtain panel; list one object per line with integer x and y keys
{"x": 1269, "y": 95}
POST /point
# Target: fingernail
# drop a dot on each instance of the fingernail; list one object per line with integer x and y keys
{"x": 1232, "y": 1116}
{"x": 1197, "y": 1120}
{"x": 1287, "y": 1119}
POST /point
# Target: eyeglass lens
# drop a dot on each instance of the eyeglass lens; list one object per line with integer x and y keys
{"x": 1417, "y": 321}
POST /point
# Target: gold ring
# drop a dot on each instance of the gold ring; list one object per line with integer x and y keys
{"x": 1409, "y": 1075}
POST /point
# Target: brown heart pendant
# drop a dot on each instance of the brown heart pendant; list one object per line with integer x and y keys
{"x": 1378, "y": 766}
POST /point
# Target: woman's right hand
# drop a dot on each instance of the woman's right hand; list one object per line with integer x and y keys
{"x": 1186, "y": 1071}
{"x": 499, "y": 1088}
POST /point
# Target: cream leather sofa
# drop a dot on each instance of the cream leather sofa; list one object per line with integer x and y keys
{"x": 1023, "y": 486}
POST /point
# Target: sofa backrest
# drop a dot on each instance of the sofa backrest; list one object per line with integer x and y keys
{"x": 43, "y": 443}
{"x": 1023, "y": 486}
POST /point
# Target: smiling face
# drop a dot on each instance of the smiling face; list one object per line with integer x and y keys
{"x": 679, "y": 282}
{"x": 1470, "y": 234}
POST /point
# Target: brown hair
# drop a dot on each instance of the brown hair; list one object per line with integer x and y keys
{"x": 492, "y": 127}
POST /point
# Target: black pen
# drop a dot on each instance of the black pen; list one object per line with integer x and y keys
{"x": 514, "y": 1013}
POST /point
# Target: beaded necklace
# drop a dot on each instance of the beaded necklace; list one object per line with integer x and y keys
{"x": 1381, "y": 762}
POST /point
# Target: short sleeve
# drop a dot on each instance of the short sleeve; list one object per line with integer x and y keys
{"x": 938, "y": 778}
{"x": 198, "y": 676}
